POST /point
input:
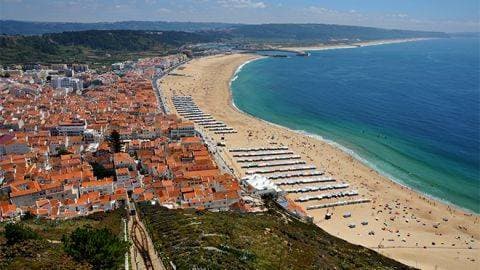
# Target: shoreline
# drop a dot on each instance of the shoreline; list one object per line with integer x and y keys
{"x": 321, "y": 47}
{"x": 212, "y": 78}
{"x": 234, "y": 75}
{"x": 364, "y": 161}
{"x": 341, "y": 147}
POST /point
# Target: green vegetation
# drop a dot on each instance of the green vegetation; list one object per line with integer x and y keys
{"x": 115, "y": 141}
{"x": 101, "y": 172}
{"x": 17, "y": 232}
{"x": 62, "y": 150}
{"x": 37, "y": 254}
{"x": 38, "y": 245}
{"x": 99, "y": 247}
{"x": 270, "y": 240}
{"x": 93, "y": 47}
{"x": 125, "y": 40}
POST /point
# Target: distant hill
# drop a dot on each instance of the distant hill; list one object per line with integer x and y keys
{"x": 282, "y": 32}
{"x": 466, "y": 34}
{"x": 12, "y": 27}
{"x": 322, "y": 33}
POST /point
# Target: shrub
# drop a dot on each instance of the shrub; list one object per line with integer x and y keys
{"x": 99, "y": 247}
{"x": 100, "y": 171}
{"x": 62, "y": 150}
{"x": 115, "y": 141}
{"x": 16, "y": 232}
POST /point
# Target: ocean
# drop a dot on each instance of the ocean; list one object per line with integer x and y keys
{"x": 409, "y": 110}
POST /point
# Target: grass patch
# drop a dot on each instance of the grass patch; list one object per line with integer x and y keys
{"x": 271, "y": 240}
{"x": 47, "y": 252}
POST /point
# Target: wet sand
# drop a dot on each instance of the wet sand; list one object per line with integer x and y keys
{"x": 402, "y": 220}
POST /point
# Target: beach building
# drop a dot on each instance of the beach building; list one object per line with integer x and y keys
{"x": 260, "y": 185}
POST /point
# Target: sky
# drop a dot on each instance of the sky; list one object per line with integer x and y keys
{"x": 437, "y": 15}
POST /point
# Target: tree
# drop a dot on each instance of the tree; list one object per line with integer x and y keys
{"x": 99, "y": 247}
{"x": 115, "y": 141}
{"x": 100, "y": 171}
{"x": 17, "y": 232}
{"x": 62, "y": 150}
{"x": 96, "y": 82}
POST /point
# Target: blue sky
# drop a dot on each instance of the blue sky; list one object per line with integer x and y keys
{"x": 441, "y": 15}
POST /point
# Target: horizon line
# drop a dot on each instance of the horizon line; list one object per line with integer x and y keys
{"x": 232, "y": 23}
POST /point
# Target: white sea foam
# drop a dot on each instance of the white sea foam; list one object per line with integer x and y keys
{"x": 374, "y": 166}
{"x": 242, "y": 65}
{"x": 358, "y": 157}
{"x": 235, "y": 76}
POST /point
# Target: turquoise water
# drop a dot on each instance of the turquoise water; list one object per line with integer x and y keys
{"x": 410, "y": 110}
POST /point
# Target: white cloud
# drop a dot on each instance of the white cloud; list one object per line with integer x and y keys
{"x": 163, "y": 10}
{"x": 241, "y": 4}
{"x": 321, "y": 10}
{"x": 11, "y": 1}
{"x": 394, "y": 16}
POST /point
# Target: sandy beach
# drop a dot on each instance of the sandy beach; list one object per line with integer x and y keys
{"x": 408, "y": 226}
{"x": 321, "y": 47}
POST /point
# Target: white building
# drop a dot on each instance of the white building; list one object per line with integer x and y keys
{"x": 260, "y": 185}
{"x": 80, "y": 67}
{"x": 183, "y": 129}
{"x": 67, "y": 82}
{"x": 118, "y": 66}
{"x": 74, "y": 127}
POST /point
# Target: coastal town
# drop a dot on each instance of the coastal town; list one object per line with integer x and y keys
{"x": 59, "y": 157}
{"x": 74, "y": 142}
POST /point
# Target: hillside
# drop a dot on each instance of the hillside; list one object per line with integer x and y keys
{"x": 47, "y": 250}
{"x": 271, "y": 240}
{"x": 94, "y": 45}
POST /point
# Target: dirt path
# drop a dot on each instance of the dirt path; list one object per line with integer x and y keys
{"x": 142, "y": 245}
